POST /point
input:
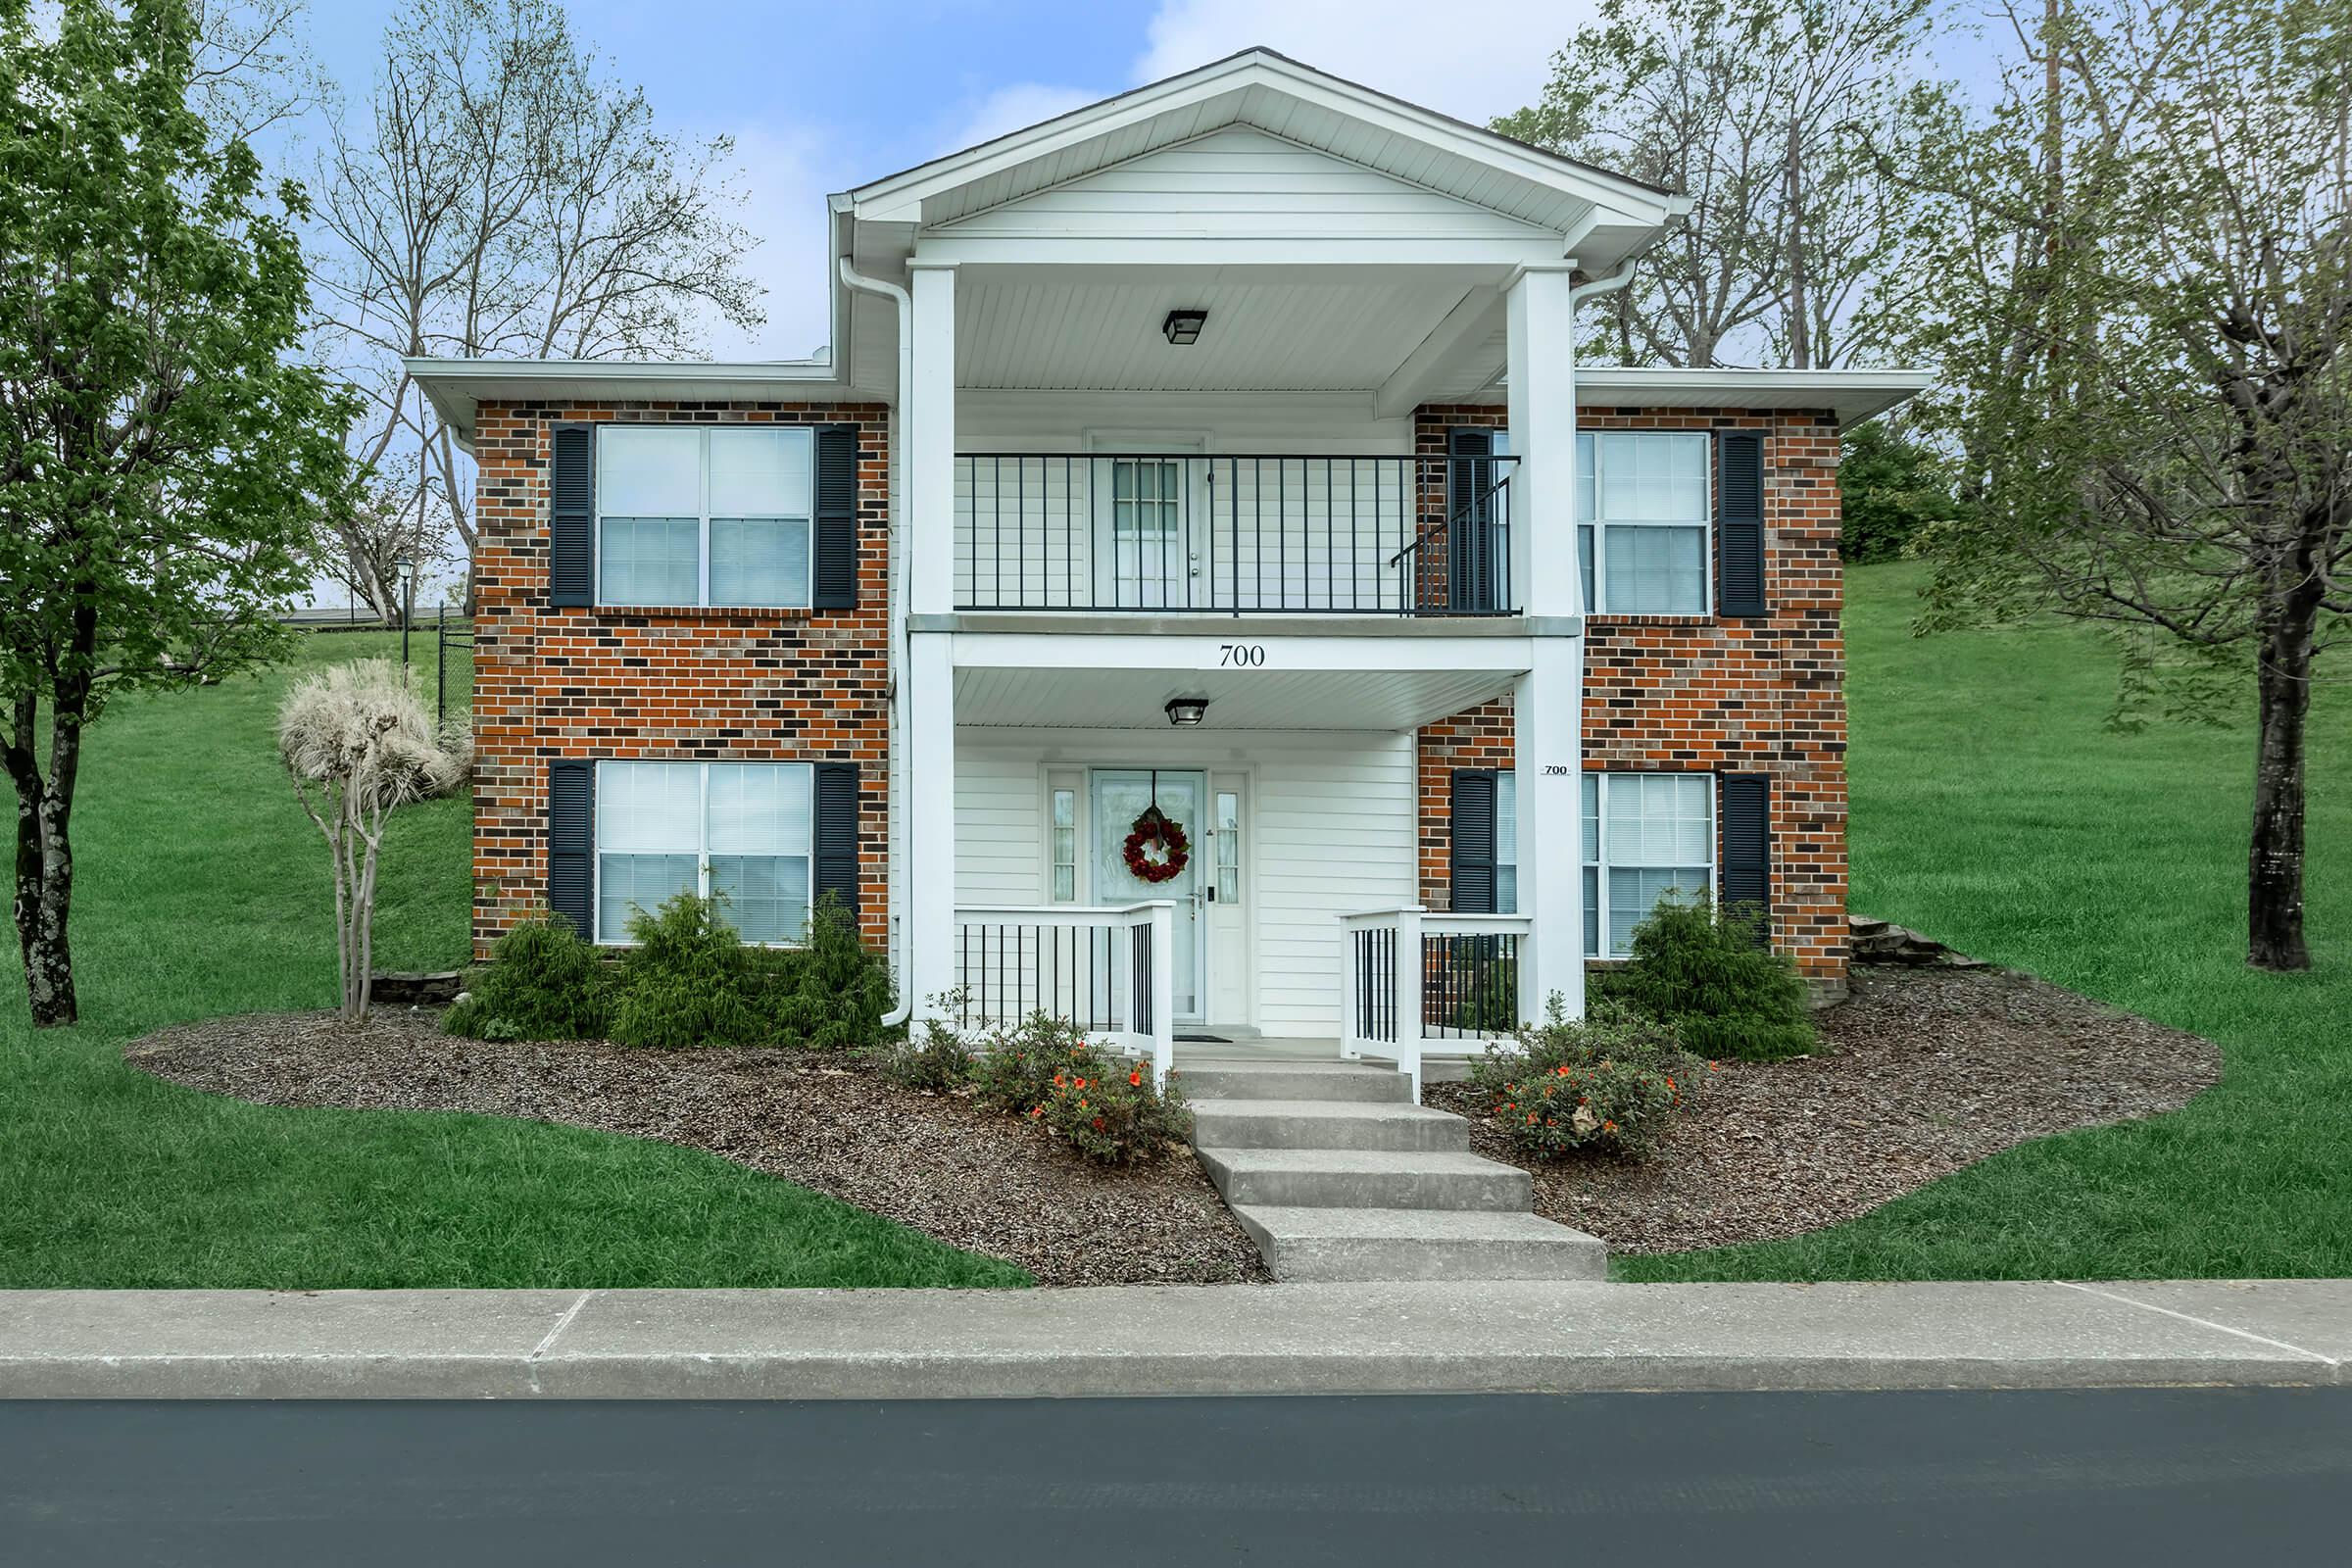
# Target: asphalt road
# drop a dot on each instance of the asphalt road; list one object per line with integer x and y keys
{"x": 2146, "y": 1476}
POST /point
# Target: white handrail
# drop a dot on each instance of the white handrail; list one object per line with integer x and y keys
{"x": 1151, "y": 993}
{"x": 1383, "y": 968}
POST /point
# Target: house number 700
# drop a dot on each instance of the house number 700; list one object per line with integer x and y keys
{"x": 1251, "y": 653}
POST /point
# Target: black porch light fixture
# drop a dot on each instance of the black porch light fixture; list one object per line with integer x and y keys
{"x": 1184, "y": 326}
{"x": 1187, "y": 710}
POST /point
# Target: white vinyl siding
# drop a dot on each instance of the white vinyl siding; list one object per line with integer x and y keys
{"x": 1334, "y": 831}
{"x": 1646, "y": 836}
{"x": 692, "y": 516}
{"x": 740, "y": 832}
{"x": 1643, "y": 529}
{"x": 1242, "y": 183}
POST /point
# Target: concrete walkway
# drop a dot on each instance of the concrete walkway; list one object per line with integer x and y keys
{"x": 1499, "y": 1336}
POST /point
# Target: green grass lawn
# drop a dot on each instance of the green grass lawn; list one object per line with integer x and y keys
{"x": 202, "y": 889}
{"x": 1991, "y": 810}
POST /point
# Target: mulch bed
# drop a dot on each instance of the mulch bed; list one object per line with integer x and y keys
{"x": 1920, "y": 1073}
{"x": 955, "y": 1171}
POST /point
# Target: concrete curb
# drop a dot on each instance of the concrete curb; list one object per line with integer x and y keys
{"x": 1526, "y": 1337}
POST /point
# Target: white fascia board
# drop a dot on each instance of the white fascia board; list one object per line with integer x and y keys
{"x": 951, "y": 248}
{"x": 1214, "y": 650}
{"x": 900, "y": 198}
{"x": 1852, "y": 395}
{"x": 457, "y": 387}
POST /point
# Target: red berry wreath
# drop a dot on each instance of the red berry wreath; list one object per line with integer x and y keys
{"x": 1156, "y": 832}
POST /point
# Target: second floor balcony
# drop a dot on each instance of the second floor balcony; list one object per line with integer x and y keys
{"x": 1234, "y": 533}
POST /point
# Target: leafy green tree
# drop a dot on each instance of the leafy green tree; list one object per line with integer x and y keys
{"x": 1894, "y": 489}
{"x": 164, "y": 455}
{"x": 2144, "y": 272}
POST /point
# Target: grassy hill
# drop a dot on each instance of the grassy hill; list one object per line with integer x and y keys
{"x": 1992, "y": 810}
{"x": 203, "y": 890}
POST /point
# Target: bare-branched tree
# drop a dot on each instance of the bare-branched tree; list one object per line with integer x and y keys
{"x": 1764, "y": 113}
{"x": 498, "y": 193}
{"x": 2144, "y": 288}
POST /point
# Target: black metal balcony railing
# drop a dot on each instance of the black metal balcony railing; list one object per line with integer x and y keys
{"x": 1234, "y": 534}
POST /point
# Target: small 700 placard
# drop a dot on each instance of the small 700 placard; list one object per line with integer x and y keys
{"x": 1240, "y": 656}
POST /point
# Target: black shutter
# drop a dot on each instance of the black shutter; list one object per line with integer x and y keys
{"x": 1740, "y": 523}
{"x": 835, "y": 585}
{"x": 1473, "y": 832}
{"x": 572, "y": 843}
{"x": 1470, "y": 545}
{"x": 571, "y": 516}
{"x": 837, "y": 834}
{"x": 1745, "y": 806}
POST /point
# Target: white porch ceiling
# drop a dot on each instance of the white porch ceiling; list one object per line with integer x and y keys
{"x": 1251, "y": 700}
{"x": 1301, "y": 332}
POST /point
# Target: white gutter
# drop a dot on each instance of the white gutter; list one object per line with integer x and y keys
{"x": 898, "y": 854}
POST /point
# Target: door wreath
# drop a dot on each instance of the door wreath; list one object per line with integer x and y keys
{"x": 1157, "y": 849}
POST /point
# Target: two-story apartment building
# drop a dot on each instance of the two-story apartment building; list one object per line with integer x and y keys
{"x": 1201, "y": 591}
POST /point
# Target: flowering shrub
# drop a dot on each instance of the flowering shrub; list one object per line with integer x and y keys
{"x": 1610, "y": 1081}
{"x": 1013, "y": 1067}
{"x": 1109, "y": 1110}
{"x": 1104, "y": 1105}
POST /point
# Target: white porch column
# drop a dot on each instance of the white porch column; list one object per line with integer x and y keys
{"x": 1539, "y": 336}
{"x": 1547, "y": 701}
{"x": 930, "y": 881}
{"x": 930, "y": 403}
{"x": 1547, "y": 710}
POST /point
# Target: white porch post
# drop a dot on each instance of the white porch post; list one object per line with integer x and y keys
{"x": 931, "y": 443}
{"x": 1547, "y": 701}
{"x": 929, "y": 401}
{"x": 930, "y": 881}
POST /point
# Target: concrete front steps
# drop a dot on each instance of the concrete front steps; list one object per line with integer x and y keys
{"x": 1337, "y": 1175}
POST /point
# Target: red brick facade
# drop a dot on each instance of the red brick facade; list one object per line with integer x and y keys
{"x": 1702, "y": 694}
{"x": 766, "y": 685}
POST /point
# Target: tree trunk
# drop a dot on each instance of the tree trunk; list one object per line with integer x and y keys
{"x": 2274, "y": 860}
{"x": 44, "y": 895}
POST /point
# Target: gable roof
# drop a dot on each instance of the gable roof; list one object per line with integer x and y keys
{"x": 1601, "y": 216}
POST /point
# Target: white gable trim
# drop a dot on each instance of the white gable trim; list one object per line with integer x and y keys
{"x": 900, "y": 198}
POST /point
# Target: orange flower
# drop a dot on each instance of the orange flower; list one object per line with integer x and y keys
{"x": 1561, "y": 1070}
{"x": 1036, "y": 1111}
{"x": 1135, "y": 1079}
{"x": 1608, "y": 1126}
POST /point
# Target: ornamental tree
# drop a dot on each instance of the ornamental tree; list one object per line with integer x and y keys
{"x": 359, "y": 745}
{"x": 164, "y": 454}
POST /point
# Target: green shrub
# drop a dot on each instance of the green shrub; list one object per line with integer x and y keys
{"x": 832, "y": 992}
{"x": 938, "y": 1062}
{"x": 691, "y": 981}
{"x": 1013, "y": 1066}
{"x": 1611, "y": 1081}
{"x": 1106, "y": 1107}
{"x": 543, "y": 983}
{"x": 1110, "y": 1111}
{"x": 1707, "y": 973}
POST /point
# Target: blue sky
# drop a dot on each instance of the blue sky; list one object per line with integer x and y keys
{"x": 822, "y": 96}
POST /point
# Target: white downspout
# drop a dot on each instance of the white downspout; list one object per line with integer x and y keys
{"x": 899, "y": 852}
{"x": 1602, "y": 285}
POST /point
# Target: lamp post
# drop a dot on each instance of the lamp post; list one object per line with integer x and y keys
{"x": 405, "y": 570}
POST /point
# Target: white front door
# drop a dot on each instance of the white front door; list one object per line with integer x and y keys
{"x": 1120, "y": 796}
{"x": 1150, "y": 525}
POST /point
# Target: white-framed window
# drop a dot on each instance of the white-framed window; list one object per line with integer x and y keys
{"x": 1646, "y": 836}
{"x": 1645, "y": 523}
{"x": 1229, "y": 846}
{"x": 696, "y": 514}
{"x": 1065, "y": 846}
{"x": 738, "y": 831}
{"x": 1506, "y": 843}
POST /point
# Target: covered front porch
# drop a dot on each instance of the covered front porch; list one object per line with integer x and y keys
{"x": 1269, "y": 904}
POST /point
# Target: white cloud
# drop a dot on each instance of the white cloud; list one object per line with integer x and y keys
{"x": 1472, "y": 59}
